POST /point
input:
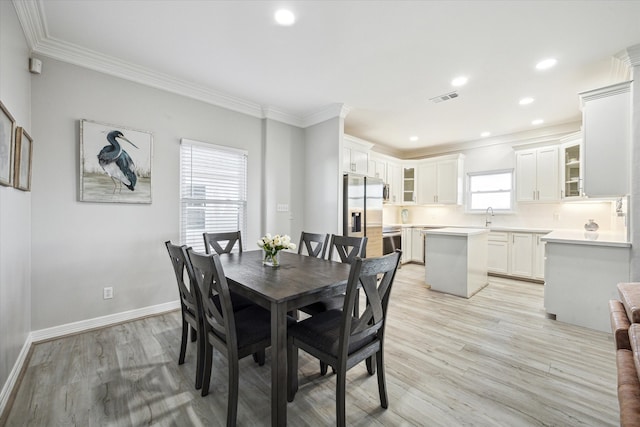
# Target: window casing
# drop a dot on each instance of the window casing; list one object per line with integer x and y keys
{"x": 213, "y": 191}
{"x": 490, "y": 189}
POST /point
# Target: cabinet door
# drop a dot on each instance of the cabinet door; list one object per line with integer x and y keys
{"x": 428, "y": 189}
{"x": 360, "y": 161}
{"x": 394, "y": 177}
{"x": 522, "y": 254}
{"x": 498, "y": 257}
{"x": 409, "y": 184}
{"x": 417, "y": 245}
{"x": 406, "y": 245}
{"x": 607, "y": 146}
{"x": 539, "y": 247}
{"x": 347, "y": 166}
{"x": 571, "y": 170}
{"x": 447, "y": 180}
{"x": 547, "y": 182}
{"x": 526, "y": 175}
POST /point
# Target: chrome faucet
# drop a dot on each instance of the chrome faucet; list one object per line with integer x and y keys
{"x": 487, "y": 220}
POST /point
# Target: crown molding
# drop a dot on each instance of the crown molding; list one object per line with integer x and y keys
{"x": 31, "y": 16}
{"x": 604, "y": 92}
{"x": 630, "y": 56}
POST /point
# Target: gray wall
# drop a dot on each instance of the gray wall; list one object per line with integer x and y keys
{"x": 15, "y": 206}
{"x": 82, "y": 247}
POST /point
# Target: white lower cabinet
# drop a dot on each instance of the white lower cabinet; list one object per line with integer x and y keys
{"x": 417, "y": 245}
{"x": 498, "y": 253}
{"x": 516, "y": 254}
{"x": 406, "y": 245}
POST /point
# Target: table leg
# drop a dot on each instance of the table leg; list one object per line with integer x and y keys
{"x": 278, "y": 365}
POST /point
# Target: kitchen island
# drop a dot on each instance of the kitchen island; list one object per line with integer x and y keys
{"x": 582, "y": 270}
{"x": 456, "y": 260}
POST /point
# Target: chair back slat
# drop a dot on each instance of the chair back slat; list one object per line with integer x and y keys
{"x": 182, "y": 267}
{"x": 375, "y": 277}
{"x": 347, "y": 247}
{"x": 215, "y": 241}
{"x": 211, "y": 281}
{"x": 314, "y": 243}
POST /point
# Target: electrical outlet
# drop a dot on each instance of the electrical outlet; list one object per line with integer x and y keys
{"x": 107, "y": 293}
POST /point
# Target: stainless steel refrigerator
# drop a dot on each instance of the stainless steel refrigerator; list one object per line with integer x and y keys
{"x": 362, "y": 211}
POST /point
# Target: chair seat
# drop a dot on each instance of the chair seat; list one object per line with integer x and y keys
{"x": 323, "y": 332}
{"x": 238, "y": 301}
{"x": 333, "y": 303}
{"x": 253, "y": 324}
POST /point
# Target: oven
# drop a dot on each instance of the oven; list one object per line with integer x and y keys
{"x": 391, "y": 239}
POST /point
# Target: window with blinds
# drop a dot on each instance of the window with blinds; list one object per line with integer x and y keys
{"x": 213, "y": 191}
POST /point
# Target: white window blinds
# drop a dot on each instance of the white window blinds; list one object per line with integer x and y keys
{"x": 490, "y": 189}
{"x": 213, "y": 191}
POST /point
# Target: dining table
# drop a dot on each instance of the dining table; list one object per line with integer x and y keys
{"x": 298, "y": 281}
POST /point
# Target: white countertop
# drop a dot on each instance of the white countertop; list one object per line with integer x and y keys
{"x": 581, "y": 237}
{"x": 493, "y": 228}
{"x": 457, "y": 231}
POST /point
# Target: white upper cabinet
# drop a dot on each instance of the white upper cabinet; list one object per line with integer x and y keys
{"x": 394, "y": 179}
{"x": 409, "y": 183}
{"x": 537, "y": 175}
{"x": 355, "y": 155}
{"x": 440, "y": 181}
{"x": 571, "y": 167}
{"x": 606, "y": 125}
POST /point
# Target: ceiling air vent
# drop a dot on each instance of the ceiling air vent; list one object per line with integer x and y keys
{"x": 445, "y": 97}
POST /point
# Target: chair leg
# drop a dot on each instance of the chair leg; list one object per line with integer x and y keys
{"x": 292, "y": 370}
{"x": 199, "y": 363}
{"x": 259, "y": 357}
{"x": 206, "y": 376}
{"x": 323, "y": 368}
{"x": 371, "y": 364}
{"x": 194, "y": 334}
{"x": 341, "y": 379}
{"x": 232, "y": 403}
{"x": 183, "y": 342}
{"x": 382, "y": 385}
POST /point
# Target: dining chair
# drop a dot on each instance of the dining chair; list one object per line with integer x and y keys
{"x": 347, "y": 248}
{"x": 235, "y": 334}
{"x": 215, "y": 240}
{"x": 343, "y": 338}
{"x": 315, "y": 244}
{"x": 189, "y": 306}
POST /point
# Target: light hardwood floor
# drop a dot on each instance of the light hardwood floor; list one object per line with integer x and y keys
{"x": 491, "y": 360}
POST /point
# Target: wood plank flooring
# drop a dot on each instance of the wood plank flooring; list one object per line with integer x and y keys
{"x": 492, "y": 360}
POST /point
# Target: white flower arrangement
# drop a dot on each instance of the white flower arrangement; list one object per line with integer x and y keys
{"x": 272, "y": 245}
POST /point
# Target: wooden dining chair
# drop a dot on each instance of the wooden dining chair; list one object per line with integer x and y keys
{"x": 342, "y": 338}
{"x": 215, "y": 240}
{"x": 315, "y": 244}
{"x": 347, "y": 248}
{"x": 189, "y": 306}
{"x": 235, "y": 334}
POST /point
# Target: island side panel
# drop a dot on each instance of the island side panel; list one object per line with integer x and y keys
{"x": 581, "y": 279}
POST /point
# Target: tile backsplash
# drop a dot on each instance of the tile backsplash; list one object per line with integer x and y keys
{"x": 570, "y": 215}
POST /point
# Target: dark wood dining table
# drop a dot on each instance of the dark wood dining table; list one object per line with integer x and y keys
{"x": 298, "y": 281}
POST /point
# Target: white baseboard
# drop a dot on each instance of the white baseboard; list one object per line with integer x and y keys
{"x": 99, "y": 322}
{"x": 14, "y": 374}
{"x": 72, "y": 328}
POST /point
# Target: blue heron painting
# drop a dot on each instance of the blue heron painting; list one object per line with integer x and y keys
{"x": 117, "y": 163}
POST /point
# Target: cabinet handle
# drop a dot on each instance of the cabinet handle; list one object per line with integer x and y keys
{"x": 534, "y": 194}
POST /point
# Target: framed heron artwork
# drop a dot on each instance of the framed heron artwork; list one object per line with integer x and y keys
{"x": 7, "y": 131}
{"x": 115, "y": 163}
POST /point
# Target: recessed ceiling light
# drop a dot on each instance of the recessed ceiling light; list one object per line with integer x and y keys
{"x": 285, "y": 17}
{"x": 546, "y": 64}
{"x": 413, "y": 138}
{"x": 537, "y": 122}
{"x": 526, "y": 101}
{"x": 459, "y": 81}
{"x": 485, "y": 134}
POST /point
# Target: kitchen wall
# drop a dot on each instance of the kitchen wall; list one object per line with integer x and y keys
{"x": 15, "y": 208}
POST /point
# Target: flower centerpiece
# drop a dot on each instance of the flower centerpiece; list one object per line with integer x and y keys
{"x": 273, "y": 245}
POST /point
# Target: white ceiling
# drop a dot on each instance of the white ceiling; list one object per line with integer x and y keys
{"x": 382, "y": 60}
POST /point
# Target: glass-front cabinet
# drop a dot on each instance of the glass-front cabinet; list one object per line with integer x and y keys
{"x": 572, "y": 167}
{"x": 408, "y": 184}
